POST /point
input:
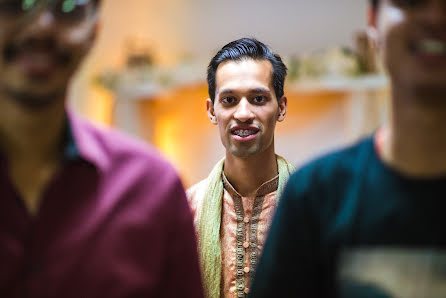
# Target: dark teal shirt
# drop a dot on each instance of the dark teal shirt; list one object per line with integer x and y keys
{"x": 344, "y": 221}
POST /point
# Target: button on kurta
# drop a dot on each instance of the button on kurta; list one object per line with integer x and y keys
{"x": 246, "y": 244}
{"x": 246, "y": 269}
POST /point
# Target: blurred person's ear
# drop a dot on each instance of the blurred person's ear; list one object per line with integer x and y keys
{"x": 283, "y": 103}
{"x": 372, "y": 31}
{"x": 211, "y": 111}
{"x": 97, "y": 25}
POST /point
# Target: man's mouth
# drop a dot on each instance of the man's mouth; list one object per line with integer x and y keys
{"x": 36, "y": 63}
{"x": 430, "y": 46}
{"x": 244, "y": 132}
{"x": 35, "y": 60}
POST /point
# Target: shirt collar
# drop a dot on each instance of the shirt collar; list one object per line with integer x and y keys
{"x": 79, "y": 143}
{"x": 70, "y": 151}
{"x": 83, "y": 142}
{"x": 264, "y": 189}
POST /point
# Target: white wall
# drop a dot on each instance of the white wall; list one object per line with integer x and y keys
{"x": 289, "y": 26}
{"x": 178, "y": 28}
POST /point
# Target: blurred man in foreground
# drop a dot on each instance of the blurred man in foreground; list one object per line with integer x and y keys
{"x": 84, "y": 212}
{"x": 368, "y": 221}
{"x": 233, "y": 207}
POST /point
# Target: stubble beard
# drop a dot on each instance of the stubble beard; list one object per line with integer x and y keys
{"x": 30, "y": 100}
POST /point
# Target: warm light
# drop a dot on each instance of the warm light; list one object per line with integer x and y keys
{"x": 166, "y": 138}
{"x": 100, "y": 107}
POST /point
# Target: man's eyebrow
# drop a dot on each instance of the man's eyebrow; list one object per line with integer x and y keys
{"x": 226, "y": 91}
{"x": 255, "y": 90}
{"x": 259, "y": 90}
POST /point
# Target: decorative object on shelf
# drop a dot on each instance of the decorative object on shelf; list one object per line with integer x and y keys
{"x": 142, "y": 78}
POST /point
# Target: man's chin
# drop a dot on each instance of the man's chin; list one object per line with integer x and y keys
{"x": 33, "y": 99}
{"x": 244, "y": 152}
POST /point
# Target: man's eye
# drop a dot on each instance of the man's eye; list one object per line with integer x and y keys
{"x": 13, "y": 7}
{"x": 259, "y": 99}
{"x": 73, "y": 10}
{"x": 227, "y": 100}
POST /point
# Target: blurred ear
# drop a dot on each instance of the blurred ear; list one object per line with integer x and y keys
{"x": 92, "y": 33}
{"x": 97, "y": 25}
{"x": 283, "y": 104}
{"x": 372, "y": 25}
{"x": 211, "y": 111}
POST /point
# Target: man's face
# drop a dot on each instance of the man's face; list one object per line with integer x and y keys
{"x": 411, "y": 36}
{"x": 245, "y": 107}
{"x": 42, "y": 46}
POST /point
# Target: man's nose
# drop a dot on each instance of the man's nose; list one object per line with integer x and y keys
{"x": 40, "y": 23}
{"x": 244, "y": 111}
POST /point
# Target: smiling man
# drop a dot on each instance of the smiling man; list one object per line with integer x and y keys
{"x": 84, "y": 211}
{"x": 234, "y": 205}
{"x": 368, "y": 221}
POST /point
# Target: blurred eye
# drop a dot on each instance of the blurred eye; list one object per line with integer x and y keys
{"x": 408, "y": 3}
{"x": 227, "y": 100}
{"x": 73, "y": 10}
{"x": 259, "y": 99}
{"x": 15, "y": 7}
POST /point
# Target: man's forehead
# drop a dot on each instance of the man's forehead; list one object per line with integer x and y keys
{"x": 253, "y": 74}
{"x": 244, "y": 63}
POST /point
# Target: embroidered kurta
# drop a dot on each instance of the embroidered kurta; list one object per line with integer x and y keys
{"x": 245, "y": 223}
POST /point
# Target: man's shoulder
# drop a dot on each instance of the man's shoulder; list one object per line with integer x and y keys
{"x": 195, "y": 197}
{"x": 196, "y": 191}
{"x": 113, "y": 147}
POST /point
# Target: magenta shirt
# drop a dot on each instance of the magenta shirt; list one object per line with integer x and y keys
{"x": 114, "y": 222}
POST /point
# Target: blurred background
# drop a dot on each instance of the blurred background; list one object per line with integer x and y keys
{"x": 146, "y": 74}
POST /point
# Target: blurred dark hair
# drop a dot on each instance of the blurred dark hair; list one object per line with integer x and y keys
{"x": 248, "y": 48}
{"x": 374, "y": 3}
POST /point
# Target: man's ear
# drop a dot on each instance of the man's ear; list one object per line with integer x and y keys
{"x": 372, "y": 31}
{"x": 93, "y": 33}
{"x": 211, "y": 111}
{"x": 283, "y": 103}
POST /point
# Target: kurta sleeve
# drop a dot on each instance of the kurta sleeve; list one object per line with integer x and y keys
{"x": 183, "y": 278}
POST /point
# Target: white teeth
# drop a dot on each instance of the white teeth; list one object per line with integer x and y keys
{"x": 432, "y": 46}
{"x": 244, "y": 132}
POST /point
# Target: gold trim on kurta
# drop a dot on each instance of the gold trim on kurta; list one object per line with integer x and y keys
{"x": 241, "y": 271}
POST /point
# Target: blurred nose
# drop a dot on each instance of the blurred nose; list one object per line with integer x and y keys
{"x": 40, "y": 23}
{"x": 44, "y": 19}
{"x": 243, "y": 111}
{"x": 38, "y": 30}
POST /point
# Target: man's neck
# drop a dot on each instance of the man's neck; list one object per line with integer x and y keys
{"x": 24, "y": 131}
{"x": 248, "y": 174}
{"x": 31, "y": 141}
{"x": 414, "y": 142}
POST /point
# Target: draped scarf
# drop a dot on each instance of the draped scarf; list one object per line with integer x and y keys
{"x": 209, "y": 242}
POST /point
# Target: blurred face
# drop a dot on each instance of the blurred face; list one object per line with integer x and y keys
{"x": 245, "y": 107}
{"x": 411, "y": 36}
{"x": 41, "y": 45}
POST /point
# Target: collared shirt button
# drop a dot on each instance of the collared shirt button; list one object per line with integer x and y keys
{"x": 246, "y": 269}
{"x": 246, "y": 244}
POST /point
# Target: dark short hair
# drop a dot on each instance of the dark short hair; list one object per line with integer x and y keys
{"x": 374, "y": 3}
{"x": 248, "y": 48}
